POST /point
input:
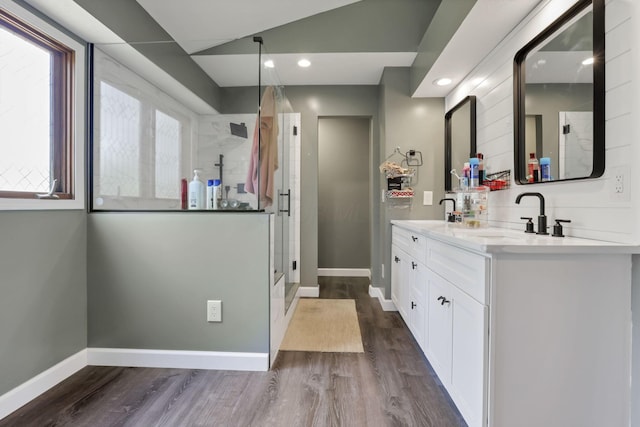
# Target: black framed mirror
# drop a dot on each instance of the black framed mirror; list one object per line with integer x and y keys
{"x": 559, "y": 99}
{"x": 459, "y": 137}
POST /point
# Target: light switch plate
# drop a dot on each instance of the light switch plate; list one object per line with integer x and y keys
{"x": 427, "y": 198}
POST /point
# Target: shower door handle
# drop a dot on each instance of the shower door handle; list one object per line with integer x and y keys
{"x": 288, "y": 196}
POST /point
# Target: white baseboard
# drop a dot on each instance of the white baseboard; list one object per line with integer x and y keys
{"x": 344, "y": 272}
{"x": 387, "y": 304}
{"x": 178, "y": 359}
{"x": 308, "y": 291}
{"x": 27, "y": 391}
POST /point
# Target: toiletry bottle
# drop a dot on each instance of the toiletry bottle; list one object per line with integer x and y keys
{"x": 532, "y": 175}
{"x": 210, "y": 200}
{"x": 545, "y": 169}
{"x": 481, "y": 175}
{"x": 216, "y": 193}
{"x": 184, "y": 193}
{"x": 466, "y": 173}
{"x": 474, "y": 165}
{"x": 197, "y": 191}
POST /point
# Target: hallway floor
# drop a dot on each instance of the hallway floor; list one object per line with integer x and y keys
{"x": 391, "y": 384}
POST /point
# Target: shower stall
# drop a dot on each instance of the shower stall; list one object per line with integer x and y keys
{"x": 147, "y": 142}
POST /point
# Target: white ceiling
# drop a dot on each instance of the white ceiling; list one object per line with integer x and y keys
{"x": 359, "y": 68}
{"x": 488, "y": 22}
{"x": 199, "y": 24}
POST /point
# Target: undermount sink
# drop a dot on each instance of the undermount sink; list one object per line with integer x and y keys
{"x": 492, "y": 233}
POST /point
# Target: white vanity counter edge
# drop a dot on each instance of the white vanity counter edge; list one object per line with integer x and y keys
{"x": 504, "y": 240}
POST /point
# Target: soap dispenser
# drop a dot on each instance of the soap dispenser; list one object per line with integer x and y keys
{"x": 197, "y": 191}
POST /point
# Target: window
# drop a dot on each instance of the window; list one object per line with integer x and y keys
{"x": 36, "y": 112}
{"x": 142, "y": 141}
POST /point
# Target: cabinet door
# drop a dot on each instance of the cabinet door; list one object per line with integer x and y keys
{"x": 469, "y": 356}
{"x": 439, "y": 325}
{"x": 418, "y": 303}
{"x": 396, "y": 268}
{"x": 400, "y": 281}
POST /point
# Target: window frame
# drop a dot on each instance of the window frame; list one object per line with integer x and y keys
{"x": 68, "y": 112}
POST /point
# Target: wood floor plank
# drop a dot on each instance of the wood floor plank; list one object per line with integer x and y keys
{"x": 390, "y": 384}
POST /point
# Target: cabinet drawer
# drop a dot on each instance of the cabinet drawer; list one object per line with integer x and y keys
{"x": 464, "y": 269}
{"x": 414, "y": 244}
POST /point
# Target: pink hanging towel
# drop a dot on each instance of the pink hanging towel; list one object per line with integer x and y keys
{"x": 264, "y": 151}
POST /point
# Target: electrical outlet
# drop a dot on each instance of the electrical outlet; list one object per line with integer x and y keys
{"x": 382, "y": 271}
{"x": 618, "y": 183}
{"x": 619, "y": 189}
{"x": 214, "y": 311}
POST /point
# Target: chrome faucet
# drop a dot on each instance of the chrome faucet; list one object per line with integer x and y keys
{"x": 542, "y": 218}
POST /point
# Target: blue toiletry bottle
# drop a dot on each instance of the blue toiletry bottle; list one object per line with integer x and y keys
{"x": 545, "y": 169}
{"x": 474, "y": 165}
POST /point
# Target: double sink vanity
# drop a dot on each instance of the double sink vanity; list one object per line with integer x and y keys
{"x": 522, "y": 329}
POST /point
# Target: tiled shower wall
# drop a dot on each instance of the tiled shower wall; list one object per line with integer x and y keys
{"x": 214, "y": 139}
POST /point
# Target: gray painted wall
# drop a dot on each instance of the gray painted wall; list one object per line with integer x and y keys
{"x": 43, "y": 285}
{"x": 409, "y": 123}
{"x": 344, "y": 225}
{"x": 150, "y": 275}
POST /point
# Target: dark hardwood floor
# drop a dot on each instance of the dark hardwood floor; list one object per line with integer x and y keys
{"x": 391, "y": 384}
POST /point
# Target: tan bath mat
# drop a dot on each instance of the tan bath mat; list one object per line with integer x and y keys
{"x": 325, "y": 325}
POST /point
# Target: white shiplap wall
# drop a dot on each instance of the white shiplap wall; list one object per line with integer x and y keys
{"x": 592, "y": 207}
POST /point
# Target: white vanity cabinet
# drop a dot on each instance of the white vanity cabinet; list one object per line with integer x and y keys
{"x": 429, "y": 285}
{"x": 408, "y": 276}
{"x": 457, "y": 323}
{"x": 522, "y": 330}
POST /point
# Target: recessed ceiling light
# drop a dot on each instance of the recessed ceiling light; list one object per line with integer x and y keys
{"x": 589, "y": 61}
{"x": 442, "y": 82}
{"x": 269, "y": 64}
{"x": 304, "y": 63}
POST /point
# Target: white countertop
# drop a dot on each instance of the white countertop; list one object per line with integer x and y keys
{"x": 503, "y": 240}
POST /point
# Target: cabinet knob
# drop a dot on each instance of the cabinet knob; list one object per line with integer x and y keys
{"x": 396, "y": 259}
{"x": 413, "y": 305}
{"x": 413, "y": 265}
{"x": 414, "y": 238}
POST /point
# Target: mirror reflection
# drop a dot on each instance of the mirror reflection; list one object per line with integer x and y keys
{"x": 560, "y": 100}
{"x": 460, "y": 137}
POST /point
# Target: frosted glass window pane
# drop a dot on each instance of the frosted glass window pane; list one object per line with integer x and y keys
{"x": 168, "y": 143}
{"x": 119, "y": 143}
{"x": 25, "y": 117}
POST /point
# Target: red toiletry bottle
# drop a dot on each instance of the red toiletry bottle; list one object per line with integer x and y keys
{"x": 534, "y": 168}
{"x": 183, "y": 193}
